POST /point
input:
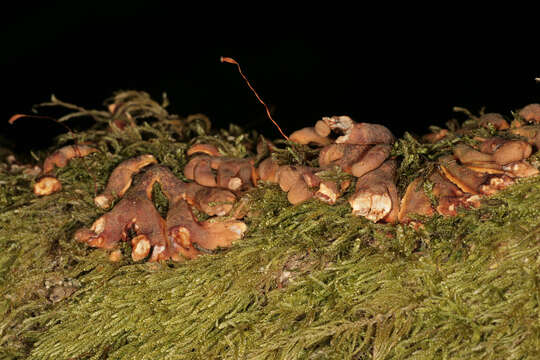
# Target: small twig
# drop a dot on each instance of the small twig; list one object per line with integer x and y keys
{"x": 102, "y": 116}
{"x": 232, "y": 61}
{"x": 463, "y": 110}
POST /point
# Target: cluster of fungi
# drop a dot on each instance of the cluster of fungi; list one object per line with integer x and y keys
{"x": 362, "y": 150}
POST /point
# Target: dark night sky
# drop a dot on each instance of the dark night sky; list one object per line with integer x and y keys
{"x": 403, "y": 71}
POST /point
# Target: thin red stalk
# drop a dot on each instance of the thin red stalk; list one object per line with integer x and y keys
{"x": 232, "y": 61}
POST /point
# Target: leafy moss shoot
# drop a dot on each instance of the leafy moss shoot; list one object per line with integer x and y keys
{"x": 310, "y": 281}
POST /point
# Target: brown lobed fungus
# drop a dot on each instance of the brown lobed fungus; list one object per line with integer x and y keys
{"x": 435, "y": 136}
{"x": 415, "y": 201}
{"x": 358, "y": 133}
{"x": 531, "y": 133}
{"x": 344, "y": 156}
{"x": 309, "y": 135}
{"x": 493, "y": 154}
{"x": 531, "y": 113}
{"x": 203, "y": 148}
{"x": 120, "y": 179}
{"x": 494, "y": 119}
{"x": 467, "y": 174}
{"x": 376, "y": 196}
{"x": 322, "y": 128}
{"x": 268, "y": 170}
{"x": 448, "y": 196}
{"x": 48, "y": 184}
{"x": 362, "y": 150}
{"x": 219, "y": 171}
{"x": 470, "y": 181}
{"x": 62, "y": 156}
{"x": 371, "y": 160}
{"x": 178, "y": 236}
{"x": 300, "y": 182}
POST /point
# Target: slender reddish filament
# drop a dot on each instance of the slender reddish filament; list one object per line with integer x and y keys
{"x": 232, "y": 61}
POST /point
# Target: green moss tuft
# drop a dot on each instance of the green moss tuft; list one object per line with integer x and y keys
{"x": 307, "y": 282}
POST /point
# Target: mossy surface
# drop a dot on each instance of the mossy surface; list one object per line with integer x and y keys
{"x": 307, "y": 282}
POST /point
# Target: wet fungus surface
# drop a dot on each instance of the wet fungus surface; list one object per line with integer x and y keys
{"x": 363, "y": 152}
{"x": 180, "y": 234}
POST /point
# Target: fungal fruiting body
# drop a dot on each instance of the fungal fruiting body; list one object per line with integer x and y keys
{"x": 179, "y": 235}
{"x": 214, "y": 170}
{"x": 362, "y": 151}
{"x": 47, "y": 183}
{"x": 491, "y": 165}
{"x": 120, "y": 179}
{"x": 360, "y": 148}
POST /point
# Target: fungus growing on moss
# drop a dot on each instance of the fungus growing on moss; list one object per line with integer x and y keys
{"x": 362, "y": 150}
{"x": 268, "y": 170}
{"x": 376, "y": 196}
{"x": 120, "y": 179}
{"x": 493, "y": 119}
{"x": 223, "y": 172}
{"x": 213, "y": 201}
{"x": 530, "y": 132}
{"x": 297, "y": 182}
{"x": 203, "y": 148}
{"x": 467, "y": 155}
{"x": 309, "y": 135}
{"x": 531, "y": 113}
{"x": 447, "y": 195}
{"x": 180, "y": 235}
{"x": 62, "y": 156}
{"x": 189, "y": 238}
{"x": 48, "y": 184}
{"x": 470, "y": 181}
{"x": 358, "y": 133}
{"x": 435, "y": 136}
{"x": 371, "y": 160}
{"x": 415, "y": 201}
{"x": 470, "y": 172}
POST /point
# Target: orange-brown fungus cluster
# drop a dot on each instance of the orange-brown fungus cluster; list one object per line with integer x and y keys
{"x": 359, "y": 149}
{"x": 471, "y": 171}
{"x": 135, "y": 218}
{"x": 47, "y": 183}
{"x": 213, "y": 170}
{"x": 460, "y": 178}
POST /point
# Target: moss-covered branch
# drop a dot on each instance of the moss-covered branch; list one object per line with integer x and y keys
{"x": 308, "y": 281}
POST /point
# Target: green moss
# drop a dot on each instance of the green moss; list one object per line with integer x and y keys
{"x": 307, "y": 282}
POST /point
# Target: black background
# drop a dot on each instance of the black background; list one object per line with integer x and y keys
{"x": 404, "y": 68}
